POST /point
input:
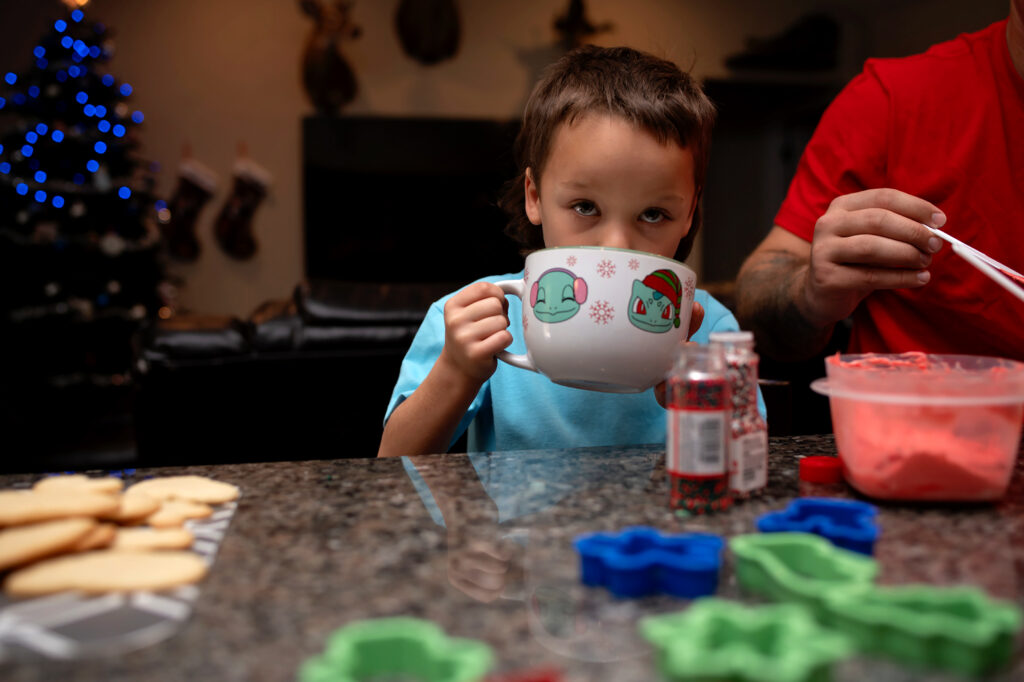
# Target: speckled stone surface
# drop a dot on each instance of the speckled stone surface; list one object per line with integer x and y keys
{"x": 315, "y": 545}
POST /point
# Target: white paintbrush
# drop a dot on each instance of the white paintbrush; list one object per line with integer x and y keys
{"x": 999, "y": 273}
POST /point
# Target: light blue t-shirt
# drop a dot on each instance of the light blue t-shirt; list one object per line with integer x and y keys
{"x": 517, "y": 409}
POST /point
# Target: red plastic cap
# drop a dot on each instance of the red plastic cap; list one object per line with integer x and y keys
{"x": 821, "y": 469}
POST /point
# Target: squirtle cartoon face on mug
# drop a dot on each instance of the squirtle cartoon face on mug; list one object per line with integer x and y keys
{"x": 557, "y": 294}
{"x": 654, "y": 306}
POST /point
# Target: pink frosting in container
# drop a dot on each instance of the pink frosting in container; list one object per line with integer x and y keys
{"x": 926, "y": 427}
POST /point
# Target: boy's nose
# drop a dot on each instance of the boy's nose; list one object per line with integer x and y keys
{"x": 616, "y": 237}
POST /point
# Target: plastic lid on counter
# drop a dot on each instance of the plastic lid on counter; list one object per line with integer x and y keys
{"x": 821, "y": 469}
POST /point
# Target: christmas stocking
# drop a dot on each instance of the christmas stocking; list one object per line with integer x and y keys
{"x": 196, "y": 184}
{"x": 233, "y": 228}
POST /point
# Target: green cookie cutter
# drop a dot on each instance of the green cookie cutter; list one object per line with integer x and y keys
{"x": 959, "y": 629}
{"x": 719, "y": 639}
{"x": 395, "y": 647}
{"x": 799, "y": 567}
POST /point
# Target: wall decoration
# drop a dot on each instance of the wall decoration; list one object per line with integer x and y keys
{"x": 574, "y": 28}
{"x": 233, "y": 227}
{"x": 329, "y": 80}
{"x": 428, "y": 30}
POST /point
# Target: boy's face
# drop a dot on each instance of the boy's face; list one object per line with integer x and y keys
{"x": 608, "y": 183}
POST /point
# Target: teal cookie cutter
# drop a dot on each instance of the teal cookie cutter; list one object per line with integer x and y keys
{"x": 393, "y": 647}
{"x": 799, "y": 567}
{"x": 958, "y": 629}
{"x": 719, "y": 639}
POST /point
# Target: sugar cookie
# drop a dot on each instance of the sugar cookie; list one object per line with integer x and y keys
{"x": 29, "y": 506}
{"x": 176, "y": 512}
{"x": 21, "y": 544}
{"x": 108, "y": 485}
{"x": 153, "y": 538}
{"x": 134, "y": 507}
{"x": 196, "y": 488}
{"x": 100, "y": 536}
{"x": 107, "y": 571}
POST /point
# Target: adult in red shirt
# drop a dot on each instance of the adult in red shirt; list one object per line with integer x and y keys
{"x": 935, "y": 138}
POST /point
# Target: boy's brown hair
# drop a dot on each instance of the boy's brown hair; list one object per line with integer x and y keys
{"x": 640, "y": 88}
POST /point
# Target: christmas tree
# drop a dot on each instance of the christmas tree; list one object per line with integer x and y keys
{"x": 81, "y": 254}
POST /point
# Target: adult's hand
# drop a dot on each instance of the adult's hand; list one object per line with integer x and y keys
{"x": 867, "y": 241}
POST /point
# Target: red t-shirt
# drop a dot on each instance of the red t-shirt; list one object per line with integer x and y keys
{"x": 948, "y": 126}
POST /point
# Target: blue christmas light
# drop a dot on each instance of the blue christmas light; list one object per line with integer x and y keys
{"x": 1, "y": 149}
{"x": 138, "y": 117}
{"x": 107, "y": 80}
{"x": 94, "y": 51}
{"x": 77, "y": 15}
{"x": 60, "y": 25}
{"x": 101, "y": 110}
{"x": 19, "y": 98}
{"x": 39, "y": 196}
{"x": 33, "y": 91}
{"x": 58, "y": 201}
{"x": 40, "y": 176}
{"x": 41, "y": 128}
{"x": 78, "y": 179}
{"x": 11, "y": 78}
{"x": 62, "y": 76}
{"x": 81, "y": 97}
{"x": 124, "y": 192}
{"x": 80, "y": 48}
{"x": 3, "y": 102}
{"x": 31, "y": 137}
{"x": 5, "y": 168}
{"x": 26, "y": 150}
{"x": 42, "y": 63}
{"x": 66, "y": 42}
{"x": 126, "y": 89}
{"x": 89, "y": 110}
{"x": 104, "y": 126}
{"x": 119, "y": 130}
{"x": 75, "y": 71}
{"x": 100, "y": 147}
{"x": 21, "y": 188}
{"x": 57, "y": 136}
{"x": 160, "y": 204}
{"x": 39, "y": 51}
{"x": 93, "y": 165}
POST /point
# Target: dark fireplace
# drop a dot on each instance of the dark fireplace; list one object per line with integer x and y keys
{"x": 406, "y": 199}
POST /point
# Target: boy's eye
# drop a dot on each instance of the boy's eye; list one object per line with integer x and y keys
{"x": 652, "y": 215}
{"x": 585, "y": 208}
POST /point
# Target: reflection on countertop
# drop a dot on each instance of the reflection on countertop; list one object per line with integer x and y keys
{"x": 482, "y": 545}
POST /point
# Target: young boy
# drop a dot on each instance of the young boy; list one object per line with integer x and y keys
{"x": 613, "y": 152}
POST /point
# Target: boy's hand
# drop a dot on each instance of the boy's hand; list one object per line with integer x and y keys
{"x": 696, "y": 318}
{"x": 476, "y": 329}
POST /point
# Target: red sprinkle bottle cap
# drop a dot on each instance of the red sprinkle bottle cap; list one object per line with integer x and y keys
{"x": 821, "y": 469}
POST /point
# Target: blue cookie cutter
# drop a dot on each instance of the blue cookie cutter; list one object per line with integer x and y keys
{"x": 849, "y": 524}
{"x": 640, "y": 561}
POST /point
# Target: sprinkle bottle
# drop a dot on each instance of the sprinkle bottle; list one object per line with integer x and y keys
{"x": 697, "y": 395}
{"x": 748, "y": 431}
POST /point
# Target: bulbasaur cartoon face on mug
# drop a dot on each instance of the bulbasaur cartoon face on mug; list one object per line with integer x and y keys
{"x": 654, "y": 305}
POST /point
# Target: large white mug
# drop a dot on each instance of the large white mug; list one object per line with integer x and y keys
{"x": 600, "y": 318}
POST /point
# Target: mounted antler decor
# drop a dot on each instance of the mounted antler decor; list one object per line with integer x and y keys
{"x": 573, "y": 27}
{"x": 326, "y": 75}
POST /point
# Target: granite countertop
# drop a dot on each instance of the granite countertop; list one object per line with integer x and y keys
{"x": 317, "y": 544}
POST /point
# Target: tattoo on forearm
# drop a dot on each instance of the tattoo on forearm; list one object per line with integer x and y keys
{"x": 767, "y": 305}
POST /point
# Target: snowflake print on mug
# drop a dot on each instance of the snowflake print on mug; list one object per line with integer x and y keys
{"x": 606, "y": 268}
{"x": 570, "y": 261}
{"x": 602, "y": 312}
{"x": 634, "y": 264}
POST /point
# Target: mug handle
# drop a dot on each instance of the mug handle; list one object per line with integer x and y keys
{"x": 515, "y": 288}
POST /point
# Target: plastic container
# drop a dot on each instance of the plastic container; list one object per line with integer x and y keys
{"x": 926, "y": 427}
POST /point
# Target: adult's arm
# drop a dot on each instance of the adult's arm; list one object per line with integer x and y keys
{"x": 791, "y": 292}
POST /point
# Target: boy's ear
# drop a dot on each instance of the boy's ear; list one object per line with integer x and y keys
{"x": 532, "y": 192}
{"x": 693, "y": 208}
